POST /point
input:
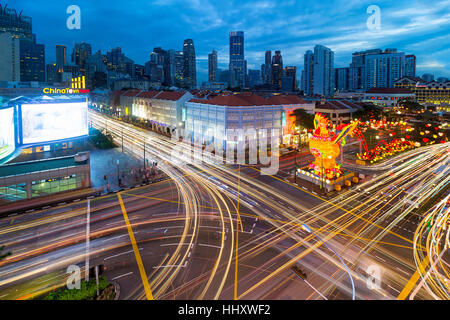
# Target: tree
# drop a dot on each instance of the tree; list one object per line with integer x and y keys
{"x": 368, "y": 112}
{"x": 303, "y": 119}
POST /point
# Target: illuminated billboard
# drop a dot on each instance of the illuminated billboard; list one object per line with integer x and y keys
{"x": 53, "y": 121}
{"x": 7, "y": 141}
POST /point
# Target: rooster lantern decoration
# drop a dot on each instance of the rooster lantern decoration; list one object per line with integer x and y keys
{"x": 324, "y": 145}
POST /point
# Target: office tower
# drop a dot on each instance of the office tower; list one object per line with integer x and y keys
{"x": 155, "y": 67}
{"x": 9, "y": 57}
{"x": 357, "y": 69}
{"x": 237, "y": 60}
{"x": 189, "y": 69}
{"x": 428, "y": 77}
{"x": 61, "y": 58}
{"x": 53, "y": 76}
{"x": 229, "y": 77}
{"x": 383, "y": 69}
{"x": 179, "y": 69}
{"x": 212, "y": 66}
{"x": 323, "y": 70}
{"x": 80, "y": 53}
{"x": 410, "y": 65}
{"x": 341, "y": 79}
{"x": 117, "y": 61}
{"x": 291, "y": 71}
{"x": 277, "y": 68}
{"x": 164, "y": 61}
{"x": 18, "y": 25}
{"x": 171, "y": 68}
{"x": 32, "y": 60}
{"x": 308, "y": 73}
{"x": 254, "y": 77}
{"x": 267, "y": 67}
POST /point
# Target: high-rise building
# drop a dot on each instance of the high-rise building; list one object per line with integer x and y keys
{"x": 410, "y": 65}
{"x": 308, "y": 73}
{"x": 277, "y": 68}
{"x": 18, "y": 25}
{"x": 291, "y": 71}
{"x": 179, "y": 69}
{"x": 341, "y": 79}
{"x": 171, "y": 68}
{"x": 9, "y": 57}
{"x": 61, "y": 57}
{"x": 32, "y": 60}
{"x": 323, "y": 71}
{"x": 212, "y": 66}
{"x": 254, "y": 77}
{"x": 237, "y": 59}
{"x": 53, "y": 76}
{"x": 357, "y": 69}
{"x": 80, "y": 53}
{"x": 267, "y": 67}
{"x": 428, "y": 77}
{"x": 383, "y": 69}
{"x": 189, "y": 67}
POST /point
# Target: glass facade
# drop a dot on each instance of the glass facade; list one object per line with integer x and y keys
{"x": 50, "y": 186}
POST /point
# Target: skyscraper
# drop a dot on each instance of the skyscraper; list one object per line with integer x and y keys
{"x": 267, "y": 67}
{"x": 308, "y": 73}
{"x": 291, "y": 71}
{"x": 179, "y": 69}
{"x": 189, "y": 68}
{"x": 254, "y": 77}
{"x": 237, "y": 60}
{"x": 80, "y": 53}
{"x": 277, "y": 68}
{"x": 18, "y": 25}
{"x": 212, "y": 66}
{"x": 410, "y": 65}
{"x": 61, "y": 58}
{"x": 9, "y": 57}
{"x": 32, "y": 60}
{"x": 341, "y": 79}
{"x": 381, "y": 70}
{"x": 323, "y": 71}
{"x": 357, "y": 69}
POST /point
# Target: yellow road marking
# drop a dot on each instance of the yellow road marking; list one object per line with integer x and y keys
{"x": 410, "y": 285}
{"x": 144, "y": 278}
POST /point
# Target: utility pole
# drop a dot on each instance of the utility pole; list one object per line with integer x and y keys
{"x": 144, "y": 152}
{"x": 88, "y": 231}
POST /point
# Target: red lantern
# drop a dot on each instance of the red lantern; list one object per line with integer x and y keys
{"x": 425, "y": 140}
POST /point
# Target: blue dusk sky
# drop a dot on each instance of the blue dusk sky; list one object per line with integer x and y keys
{"x": 420, "y": 27}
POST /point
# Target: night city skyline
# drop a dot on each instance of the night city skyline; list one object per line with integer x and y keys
{"x": 225, "y": 159}
{"x": 289, "y": 26}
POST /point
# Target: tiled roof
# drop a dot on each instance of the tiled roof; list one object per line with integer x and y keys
{"x": 336, "y": 105}
{"x": 249, "y": 99}
{"x": 170, "y": 95}
{"x": 389, "y": 90}
{"x": 147, "y": 94}
{"x": 131, "y": 93}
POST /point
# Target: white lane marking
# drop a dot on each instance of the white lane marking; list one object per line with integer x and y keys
{"x": 189, "y": 254}
{"x": 173, "y": 244}
{"x": 168, "y": 227}
{"x": 171, "y": 266}
{"x": 380, "y": 258}
{"x": 123, "y": 275}
{"x": 402, "y": 271}
{"x": 124, "y": 235}
{"x": 209, "y": 245}
{"x": 393, "y": 288}
{"x": 119, "y": 254}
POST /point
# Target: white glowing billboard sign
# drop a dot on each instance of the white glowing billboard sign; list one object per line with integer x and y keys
{"x": 7, "y": 143}
{"x": 53, "y": 121}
